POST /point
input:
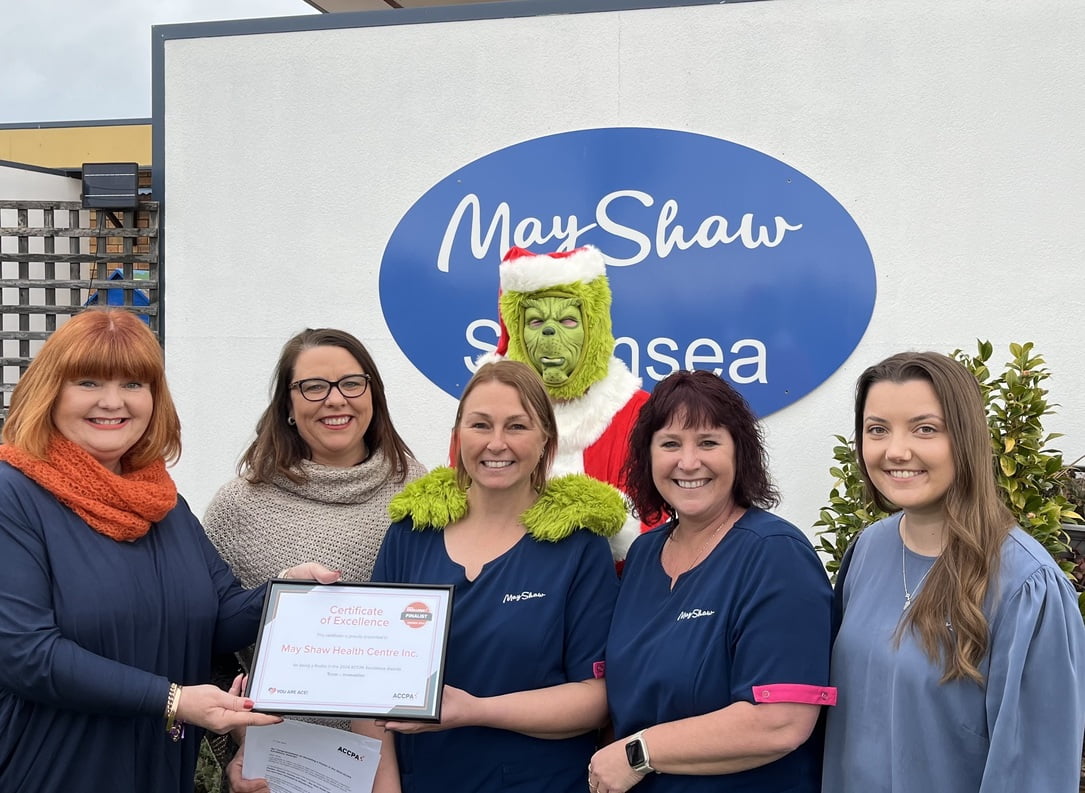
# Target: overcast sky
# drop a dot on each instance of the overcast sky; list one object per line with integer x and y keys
{"x": 78, "y": 60}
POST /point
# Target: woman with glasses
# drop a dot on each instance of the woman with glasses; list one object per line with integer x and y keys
{"x": 319, "y": 475}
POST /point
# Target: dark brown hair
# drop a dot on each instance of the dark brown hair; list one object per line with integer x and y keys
{"x": 702, "y": 399}
{"x": 279, "y": 448}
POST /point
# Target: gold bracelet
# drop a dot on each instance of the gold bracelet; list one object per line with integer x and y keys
{"x": 175, "y": 728}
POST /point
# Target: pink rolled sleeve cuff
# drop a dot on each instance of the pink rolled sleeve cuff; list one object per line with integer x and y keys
{"x": 795, "y": 692}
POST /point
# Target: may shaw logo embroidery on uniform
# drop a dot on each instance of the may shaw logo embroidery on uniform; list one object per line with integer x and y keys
{"x": 510, "y": 598}
{"x": 695, "y": 614}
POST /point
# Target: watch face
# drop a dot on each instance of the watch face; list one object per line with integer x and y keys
{"x": 634, "y": 753}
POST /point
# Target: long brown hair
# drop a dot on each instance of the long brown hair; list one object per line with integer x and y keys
{"x": 101, "y": 343}
{"x": 976, "y": 520}
{"x": 279, "y": 448}
{"x": 533, "y": 396}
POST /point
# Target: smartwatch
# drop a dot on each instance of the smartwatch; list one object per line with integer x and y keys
{"x": 636, "y": 752}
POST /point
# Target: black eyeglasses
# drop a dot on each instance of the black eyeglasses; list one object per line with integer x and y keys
{"x": 316, "y": 389}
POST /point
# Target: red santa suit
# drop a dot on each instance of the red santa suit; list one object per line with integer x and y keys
{"x": 593, "y": 436}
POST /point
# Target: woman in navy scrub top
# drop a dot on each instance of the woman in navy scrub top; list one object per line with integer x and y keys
{"x": 718, "y": 655}
{"x": 534, "y": 592}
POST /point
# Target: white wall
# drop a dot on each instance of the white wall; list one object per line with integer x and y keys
{"x": 30, "y": 184}
{"x": 949, "y": 131}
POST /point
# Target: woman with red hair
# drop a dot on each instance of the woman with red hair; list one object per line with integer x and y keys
{"x": 112, "y": 599}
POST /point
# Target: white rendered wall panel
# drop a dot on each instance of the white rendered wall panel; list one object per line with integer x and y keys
{"x": 950, "y": 133}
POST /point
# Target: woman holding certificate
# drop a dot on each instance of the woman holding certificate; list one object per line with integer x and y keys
{"x": 112, "y": 599}
{"x": 718, "y": 655}
{"x": 534, "y": 587}
{"x": 316, "y": 480}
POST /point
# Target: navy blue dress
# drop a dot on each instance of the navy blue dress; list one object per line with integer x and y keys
{"x": 92, "y": 631}
{"x": 536, "y": 616}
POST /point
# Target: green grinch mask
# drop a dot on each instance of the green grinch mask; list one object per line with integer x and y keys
{"x": 553, "y": 336}
{"x": 584, "y": 350}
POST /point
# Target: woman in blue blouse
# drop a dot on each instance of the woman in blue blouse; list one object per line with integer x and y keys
{"x": 112, "y": 601}
{"x": 960, "y": 660}
{"x": 534, "y": 589}
{"x": 718, "y": 655}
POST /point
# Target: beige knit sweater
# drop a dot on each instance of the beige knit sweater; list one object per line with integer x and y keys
{"x": 338, "y": 518}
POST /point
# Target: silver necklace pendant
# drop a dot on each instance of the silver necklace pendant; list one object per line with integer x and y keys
{"x": 904, "y": 578}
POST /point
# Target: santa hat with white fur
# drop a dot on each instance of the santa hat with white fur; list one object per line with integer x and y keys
{"x": 579, "y": 273}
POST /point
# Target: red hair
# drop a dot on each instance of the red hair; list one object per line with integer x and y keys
{"x": 100, "y": 343}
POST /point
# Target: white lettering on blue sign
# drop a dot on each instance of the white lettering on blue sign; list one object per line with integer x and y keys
{"x": 719, "y": 257}
{"x": 661, "y": 235}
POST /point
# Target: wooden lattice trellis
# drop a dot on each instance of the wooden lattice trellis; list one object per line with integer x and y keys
{"x": 56, "y": 257}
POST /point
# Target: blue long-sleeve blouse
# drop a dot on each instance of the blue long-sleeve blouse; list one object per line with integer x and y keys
{"x": 896, "y": 729}
{"x": 92, "y": 632}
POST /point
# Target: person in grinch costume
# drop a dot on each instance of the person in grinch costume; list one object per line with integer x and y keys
{"x": 555, "y": 316}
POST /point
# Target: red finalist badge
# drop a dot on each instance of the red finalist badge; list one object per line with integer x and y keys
{"x": 416, "y": 615}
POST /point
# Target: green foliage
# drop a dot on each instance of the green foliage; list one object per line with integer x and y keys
{"x": 849, "y": 511}
{"x": 1032, "y": 477}
{"x": 1074, "y": 490}
{"x": 208, "y": 775}
{"x": 1074, "y": 487}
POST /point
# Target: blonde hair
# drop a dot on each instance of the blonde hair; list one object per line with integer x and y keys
{"x": 976, "y": 519}
{"x": 101, "y": 343}
{"x": 536, "y": 402}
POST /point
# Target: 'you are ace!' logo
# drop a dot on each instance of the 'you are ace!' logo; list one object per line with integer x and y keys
{"x": 719, "y": 257}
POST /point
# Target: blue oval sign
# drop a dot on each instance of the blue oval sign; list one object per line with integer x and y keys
{"x": 719, "y": 257}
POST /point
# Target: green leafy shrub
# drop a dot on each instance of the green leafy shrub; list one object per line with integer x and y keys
{"x": 208, "y": 774}
{"x": 848, "y": 511}
{"x": 1032, "y": 477}
{"x": 1074, "y": 490}
{"x": 1074, "y": 487}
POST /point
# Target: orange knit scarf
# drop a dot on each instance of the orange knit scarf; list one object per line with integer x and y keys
{"x": 122, "y": 506}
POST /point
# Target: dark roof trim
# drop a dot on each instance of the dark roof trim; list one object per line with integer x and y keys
{"x": 22, "y": 166}
{"x": 507, "y": 9}
{"x": 114, "y": 122}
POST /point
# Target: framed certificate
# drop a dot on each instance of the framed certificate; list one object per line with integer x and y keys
{"x": 351, "y": 650}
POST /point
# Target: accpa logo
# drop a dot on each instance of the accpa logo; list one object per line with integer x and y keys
{"x": 719, "y": 257}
